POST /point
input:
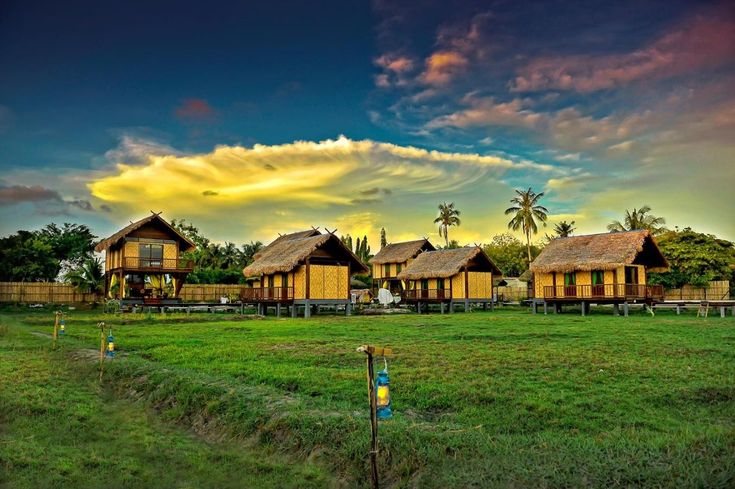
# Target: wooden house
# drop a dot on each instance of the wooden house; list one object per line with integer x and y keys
{"x": 143, "y": 261}
{"x": 392, "y": 259}
{"x": 450, "y": 277}
{"x": 303, "y": 270}
{"x": 600, "y": 268}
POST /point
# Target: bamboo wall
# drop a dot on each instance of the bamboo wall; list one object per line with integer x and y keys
{"x": 42, "y": 292}
{"x": 716, "y": 291}
{"x": 209, "y": 292}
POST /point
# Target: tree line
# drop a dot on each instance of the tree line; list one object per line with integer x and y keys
{"x": 66, "y": 252}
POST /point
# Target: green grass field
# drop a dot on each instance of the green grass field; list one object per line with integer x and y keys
{"x": 503, "y": 399}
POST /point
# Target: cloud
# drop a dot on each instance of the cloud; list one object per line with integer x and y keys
{"x": 443, "y": 66}
{"x": 46, "y": 201}
{"x": 701, "y": 43}
{"x": 136, "y": 149}
{"x": 16, "y": 194}
{"x": 316, "y": 183}
{"x": 195, "y": 110}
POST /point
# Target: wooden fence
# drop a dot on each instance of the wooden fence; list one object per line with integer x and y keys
{"x": 512, "y": 294}
{"x": 209, "y": 292}
{"x": 42, "y": 292}
{"x": 715, "y": 291}
{"x": 51, "y": 292}
{"x": 58, "y": 293}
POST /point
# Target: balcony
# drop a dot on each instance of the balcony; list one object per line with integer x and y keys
{"x": 426, "y": 295}
{"x": 604, "y": 292}
{"x": 267, "y": 294}
{"x": 157, "y": 264}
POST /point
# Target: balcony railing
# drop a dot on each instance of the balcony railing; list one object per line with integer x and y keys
{"x": 604, "y": 291}
{"x": 174, "y": 264}
{"x": 264, "y": 294}
{"x": 427, "y": 294}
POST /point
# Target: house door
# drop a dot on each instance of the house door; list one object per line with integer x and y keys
{"x": 284, "y": 287}
{"x": 631, "y": 281}
{"x": 440, "y": 288}
{"x": 271, "y": 286}
{"x": 598, "y": 283}
{"x": 424, "y": 289}
{"x": 570, "y": 284}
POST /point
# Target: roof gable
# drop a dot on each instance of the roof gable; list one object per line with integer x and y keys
{"x": 448, "y": 262}
{"x": 283, "y": 255}
{"x": 604, "y": 251}
{"x": 401, "y": 252}
{"x": 149, "y": 222}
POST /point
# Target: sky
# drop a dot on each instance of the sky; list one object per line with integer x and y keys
{"x": 250, "y": 119}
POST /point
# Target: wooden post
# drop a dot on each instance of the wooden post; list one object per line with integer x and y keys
{"x": 55, "y": 336}
{"x": 369, "y": 351}
{"x": 101, "y": 325}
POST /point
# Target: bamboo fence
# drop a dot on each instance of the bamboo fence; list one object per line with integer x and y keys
{"x": 58, "y": 293}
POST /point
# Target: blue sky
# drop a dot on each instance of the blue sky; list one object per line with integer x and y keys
{"x": 266, "y": 117}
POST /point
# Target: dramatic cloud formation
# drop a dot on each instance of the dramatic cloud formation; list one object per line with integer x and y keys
{"x": 331, "y": 179}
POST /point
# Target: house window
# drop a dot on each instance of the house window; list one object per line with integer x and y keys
{"x": 386, "y": 270}
{"x": 398, "y": 268}
{"x": 631, "y": 275}
{"x": 424, "y": 284}
{"x": 598, "y": 281}
{"x": 440, "y": 283}
{"x": 598, "y": 277}
{"x": 150, "y": 255}
{"x": 570, "y": 278}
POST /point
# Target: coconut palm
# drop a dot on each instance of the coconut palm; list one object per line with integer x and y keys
{"x": 638, "y": 219}
{"x": 526, "y": 212}
{"x": 448, "y": 216}
{"x": 88, "y": 276}
{"x": 564, "y": 229}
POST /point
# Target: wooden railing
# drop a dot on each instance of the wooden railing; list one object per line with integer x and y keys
{"x": 427, "y": 294}
{"x": 263, "y": 294}
{"x": 176, "y": 264}
{"x": 605, "y": 291}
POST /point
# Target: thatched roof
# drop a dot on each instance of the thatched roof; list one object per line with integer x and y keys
{"x": 600, "y": 252}
{"x": 526, "y": 276}
{"x": 283, "y": 255}
{"x": 446, "y": 263}
{"x": 401, "y": 252}
{"x": 186, "y": 243}
{"x": 285, "y": 237}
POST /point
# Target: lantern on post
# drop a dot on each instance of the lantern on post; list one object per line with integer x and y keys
{"x": 382, "y": 389}
{"x": 110, "y": 353}
{"x": 62, "y": 325}
{"x": 378, "y": 393}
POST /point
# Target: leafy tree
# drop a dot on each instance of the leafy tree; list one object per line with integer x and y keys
{"x": 383, "y": 239}
{"x": 249, "y": 250}
{"x": 526, "y": 211}
{"x": 27, "y": 257}
{"x": 88, "y": 276}
{"x": 71, "y": 242}
{"x": 639, "y": 219}
{"x": 694, "y": 258}
{"x": 509, "y": 254}
{"x": 564, "y": 229}
{"x": 448, "y": 216}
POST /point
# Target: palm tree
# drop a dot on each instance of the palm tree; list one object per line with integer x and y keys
{"x": 88, "y": 277}
{"x": 639, "y": 219}
{"x": 564, "y": 229}
{"x": 448, "y": 216}
{"x": 526, "y": 211}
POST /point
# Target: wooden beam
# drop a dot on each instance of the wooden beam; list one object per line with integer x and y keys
{"x": 378, "y": 351}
